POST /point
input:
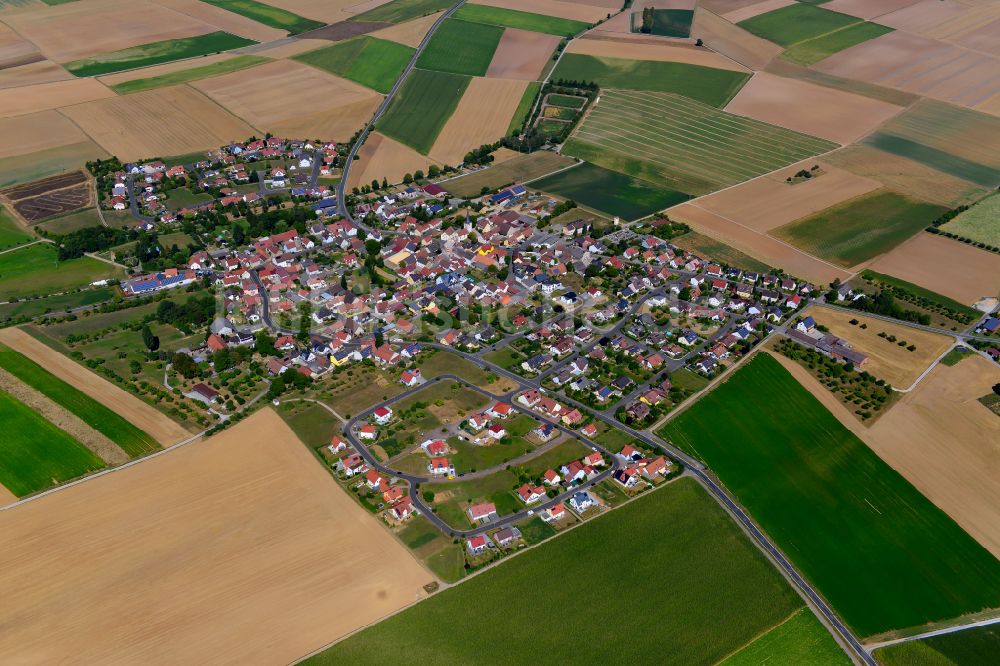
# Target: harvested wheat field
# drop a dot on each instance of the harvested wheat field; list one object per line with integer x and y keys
{"x": 886, "y": 360}
{"x": 521, "y": 54}
{"x": 101, "y": 26}
{"x": 947, "y": 444}
{"x": 382, "y": 157}
{"x": 223, "y": 19}
{"x": 6, "y": 497}
{"x": 37, "y": 131}
{"x": 43, "y": 71}
{"x": 289, "y": 98}
{"x": 410, "y": 33}
{"x": 582, "y": 11}
{"x": 949, "y": 267}
{"x": 732, "y": 41}
{"x": 906, "y": 176}
{"x": 328, "y": 11}
{"x": 45, "y": 96}
{"x": 638, "y": 49}
{"x": 769, "y": 202}
{"x": 129, "y": 407}
{"x": 165, "y": 121}
{"x": 771, "y": 251}
{"x": 811, "y": 109}
{"x": 482, "y": 116}
{"x": 160, "y": 70}
{"x": 15, "y": 50}
{"x": 924, "y": 16}
{"x": 236, "y": 549}
{"x": 867, "y": 9}
{"x": 756, "y": 9}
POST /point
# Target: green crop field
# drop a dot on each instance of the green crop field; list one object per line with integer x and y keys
{"x": 813, "y": 50}
{"x": 156, "y": 53}
{"x": 981, "y": 223}
{"x": 862, "y": 228}
{"x": 370, "y": 61}
{"x": 523, "y": 107}
{"x": 193, "y": 74}
{"x": 422, "y": 107}
{"x": 461, "y": 47}
{"x": 35, "y": 270}
{"x": 11, "y": 235}
{"x": 969, "y": 647}
{"x": 801, "y": 639}
{"x": 399, "y": 11}
{"x": 609, "y": 191}
{"x": 566, "y": 101}
{"x": 796, "y": 23}
{"x": 131, "y": 439}
{"x": 824, "y": 497}
{"x": 691, "y": 147}
{"x": 695, "y": 583}
{"x": 512, "y": 18}
{"x": 670, "y": 22}
{"x": 704, "y": 84}
{"x": 268, "y": 15}
{"x": 34, "y": 454}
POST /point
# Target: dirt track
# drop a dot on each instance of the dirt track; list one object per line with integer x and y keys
{"x": 237, "y": 549}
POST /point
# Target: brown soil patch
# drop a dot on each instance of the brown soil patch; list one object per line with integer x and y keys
{"x": 949, "y": 267}
{"x": 240, "y": 548}
{"x": 816, "y": 110}
{"x": 15, "y": 50}
{"x": 410, "y": 33}
{"x": 906, "y": 176}
{"x": 763, "y": 248}
{"x": 521, "y": 54}
{"x": 224, "y": 19}
{"x": 129, "y": 407}
{"x": 165, "y": 121}
{"x": 756, "y": 9}
{"x": 924, "y": 16}
{"x": 769, "y": 202}
{"x": 36, "y": 209}
{"x": 36, "y": 132}
{"x": 582, "y": 11}
{"x": 101, "y": 26}
{"x": 947, "y": 444}
{"x": 43, "y": 186}
{"x": 652, "y": 50}
{"x": 867, "y": 9}
{"x": 292, "y": 99}
{"x": 338, "y": 32}
{"x": 43, "y": 71}
{"x": 6, "y": 497}
{"x": 886, "y": 360}
{"x": 63, "y": 419}
{"x": 44, "y": 96}
{"x": 732, "y": 41}
{"x": 382, "y": 157}
{"x": 482, "y": 116}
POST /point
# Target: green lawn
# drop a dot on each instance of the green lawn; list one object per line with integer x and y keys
{"x": 372, "y": 62}
{"x": 524, "y": 106}
{"x": 971, "y": 647}
{"x": 131, "y": 439}
{"x": 704, "y": 84}
{"x": 56, "y": 303}
{"x": 461, "y": 47}
{"x": 512, "y": 18}
{"x": 609, "y": 191}
{"x": 497, "y": 487}
{"x": 35, "y": 270}
{"x": 471, "y": 457}
{"x": 183, "y": 197}
{"x": 813, "y": 50}
{"x": 801, "y": 639}
{"x": 65, "y": 224}
{"x": 670, "y": 565}
{"x": 11, "y": 235}
{"x": 981, "y": 223}
{"x": 422, "y": 107}
{"x": 268, "y": 15}
{"x": 862, "y": 228}
{"x": 399, "y": 11}
{"x": 796, "y": 23}
{"x": 155, "y": 53}
{"x": 565, "y": 101}
{"x": 825, "y": 498}
{"x": 34, "y": 454}
{"x": 311, "y": 423}
{"x": 185, "y": 75}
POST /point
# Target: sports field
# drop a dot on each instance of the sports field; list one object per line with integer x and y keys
{"x": 979, "y": 645}
{"x": 824, "y": 497}
{"x": 461, "y": 47}
{"x": 688, "y": 146}
{"x": 370, "y": 61}
{"x": 980, "y": 223}
{"x": 813, "y": 50}
{"x": 36, "y": 270}
{"x": 268, "y": 15}
{"x": 609, "y": 191}
{"x": 796, "y": 23}
{"x": 695, "y": 583}
{"x": 185, "y": 75}
{"x": 862, "y": 228}
{"x": 704, "y": 84}
{"x": 131, "y": 439}
{"x": 34, "y": 454}
{"x": 156, "y": 53}
{"x": 512, "y": 18}
{"x": 422, "y": 107}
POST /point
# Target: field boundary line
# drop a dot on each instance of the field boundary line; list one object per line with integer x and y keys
{"x": 936, "y": 632}
{"x": 21, "y": 247}
{"x": 552, "y": 173}
{"x": 762, "y": 634}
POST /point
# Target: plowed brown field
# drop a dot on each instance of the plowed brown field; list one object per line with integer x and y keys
{"x": 521, "y": 54}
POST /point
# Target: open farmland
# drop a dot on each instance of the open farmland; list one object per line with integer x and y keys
{"x": 398, "y": 11}
{"x": 372, "y": 62}
{"x": 381, "y": 157}
{"x": 521, "y": 55}
{"x": 155, "y": 53}
{"x": 796, "y": 23}
{"x": 223, "y": 19}
{"x": 410, "y": 33}
{"x": 43, "y": 71}
{"x": 977, "y": 645}
{"x": 40, "y": 187}
{"x": 35, "y": 270}
{"x": 801, "y": 639}
{"x": 633, "y": 49}
{"x": 175, "y": 75}
{"x": 704, "y": 84}
{"x": 52, "y": 204}
{"x": 512, "y": 18}
{"x": 702, "y": 553}
{"x": 813, "y": 50}
{"x": 980, "y": 223}
{"x": 733, "y": 41}
{"x": 157, "y": 122}
{"x": 861, "y": 229}
{"x": 833, "y": 499}
{"x": 517, "y": 170}
{"x": 461, "y": 47}
{"x": 589, "y": 12}
{"x": 44, "y": 96}
{"x": 41, "y": 144}
{"x": 286, "y": 560}
{"x": 609, "y": 191}
{"x": 422, "y": 107}
{"x": 689, "y": 146}
{"x": 268, "y": 15}
{"x": 482, "y": 116}
{"x": 11, "y": 233}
